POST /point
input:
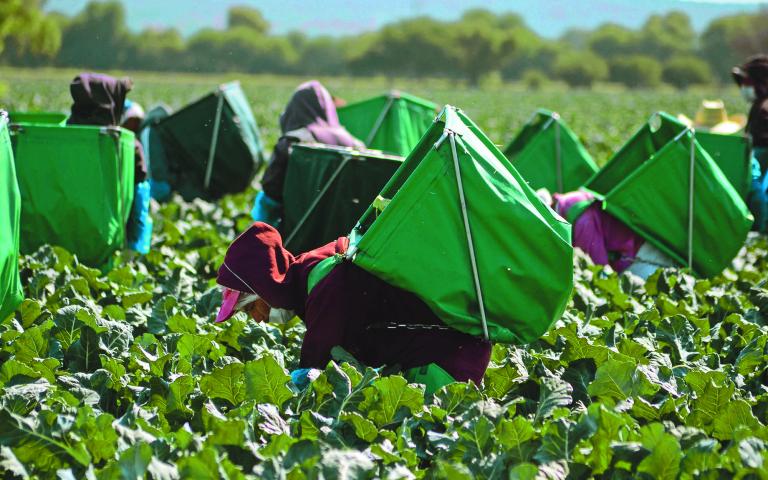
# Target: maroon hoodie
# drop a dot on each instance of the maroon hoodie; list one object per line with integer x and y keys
{"x": 349, "y": 307}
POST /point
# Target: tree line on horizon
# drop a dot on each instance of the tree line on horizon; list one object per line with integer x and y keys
{"x": 480, "y": 45}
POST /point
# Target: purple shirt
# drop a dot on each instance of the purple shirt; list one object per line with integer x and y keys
{"x": 599, "y": 234}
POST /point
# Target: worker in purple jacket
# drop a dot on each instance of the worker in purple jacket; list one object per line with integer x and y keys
{"x": 309, "y": 117}
{"x": 344, "y": 305}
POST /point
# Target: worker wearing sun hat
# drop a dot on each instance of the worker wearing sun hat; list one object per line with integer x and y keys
{"x": 344, "y": 305}
{"x": 752, "y": 79}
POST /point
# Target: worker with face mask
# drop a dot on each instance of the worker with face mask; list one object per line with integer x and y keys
{"x": 752, "y": 79}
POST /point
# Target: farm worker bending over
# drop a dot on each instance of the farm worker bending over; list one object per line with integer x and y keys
{"x": 342, "y": 304}
{"x": 100, "y": 100}
{"x": 752, "y": 79}
{"x": 310, "y": 116}
{"x": 606, "y": 239}
{"x": 139, "y": 222}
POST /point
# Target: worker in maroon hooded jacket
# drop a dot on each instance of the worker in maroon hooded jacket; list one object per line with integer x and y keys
{"x": 100, "y": 100}
{"x": 344, "y": 305}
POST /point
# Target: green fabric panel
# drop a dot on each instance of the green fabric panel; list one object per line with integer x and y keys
{"x": 249, "y": 129}
{"x": 534, "y": 154}
{"x": 187, "y": 137}
{"x": 321, "y": 270}
{"x": 418, "y": 243}
{"x": 653, "y": 201}
{"x": 309, "y": 170}
{"x": 76, "y": 186}
{"x": 731, "y": 153}
{"x": 154, "y": 150}
{"x": 432, "y": 376}
{"x": 405, "y": 121}
{"x": 54, "y": 118}
{"x": 642, "y": 146}
{"x": 10, "y": 210}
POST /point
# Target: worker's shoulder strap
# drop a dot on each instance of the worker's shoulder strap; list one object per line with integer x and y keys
{"x": 432, "y": 375}
{"x": 321, "y": 270}
{"x": 577, "y": 209}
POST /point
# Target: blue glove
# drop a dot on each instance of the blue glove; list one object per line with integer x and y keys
{"x": 266, "y": 209}
{"x": 300, "y": 377}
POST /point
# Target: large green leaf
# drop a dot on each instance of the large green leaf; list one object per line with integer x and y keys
{"x": 266, "y": 380}
{"x": 227, "y": 382}
{"x": 618, "y": 380}
{"x": 665, "y": 456}
{"x": 35, "y": 443}
{"x": 390, "y": 399}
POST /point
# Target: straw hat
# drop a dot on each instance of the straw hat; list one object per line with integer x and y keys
{"x": 713, "y": 117}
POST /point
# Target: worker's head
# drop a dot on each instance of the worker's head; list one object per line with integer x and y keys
{"x": 752, "y": 77}
{"x": 254, "y": 276}
{"x": 133, "y": 116}
{"x": 234, "y": 301}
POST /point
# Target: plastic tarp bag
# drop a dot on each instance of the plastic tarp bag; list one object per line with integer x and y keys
{"x": 76, "y": 186}
{"x": 10, "y": 210}
{"x": 664, "y": 186}
{"x": 327, "y": 189}
{"x": 460, "y": 228}
{"x": 47, "y": 118}
{"x": 392, "y": 123}
{"x": 213, "y": 145}
{"x": 549, "y": 155}
{"x": 731, "y": 154}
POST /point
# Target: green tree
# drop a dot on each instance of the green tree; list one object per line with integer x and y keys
{"x": 636, "y": 71}
{"x": 540, "y": 57}
{"x": 322, "y": 56}
{"x": 414, "y": 47}
{"x": 239, "y": 49}
{"x": 247, "y": 17}
{"x": 577, "y": 38}
{"x": 23, "y": 23}
{"x": 665, "y": 36}
{"x": 481, "y": 44}
{"x": 685, "y": 71}
{"x": 153, "y": 49}
{"x": 611, "y": 40}
{"x": 580, "y": 68}
{"x": 96, "y": 38}
{"x": 728, "y": 41}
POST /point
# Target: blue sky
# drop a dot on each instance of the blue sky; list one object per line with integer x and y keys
{"x": 549, "y": 18}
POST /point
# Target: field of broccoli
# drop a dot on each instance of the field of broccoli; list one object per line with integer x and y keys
{"x": 125, "y": 374}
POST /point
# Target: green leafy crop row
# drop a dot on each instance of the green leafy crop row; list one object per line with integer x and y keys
{"x": 125, "y": 375}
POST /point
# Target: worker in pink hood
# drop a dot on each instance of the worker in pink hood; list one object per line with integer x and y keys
{"x": 606, "y": 239}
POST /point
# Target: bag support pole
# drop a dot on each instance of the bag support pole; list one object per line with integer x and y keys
{"x": 558, "y": 156}
{"x": 214, "y": 140}
{"x": 379, "y": 120}
{"x": 316, "y": 201}
{"x": 691, "y": 180}
{"x": 470, "y": 242}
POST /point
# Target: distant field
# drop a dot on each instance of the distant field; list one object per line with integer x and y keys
{"x": 603, "y": 117}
